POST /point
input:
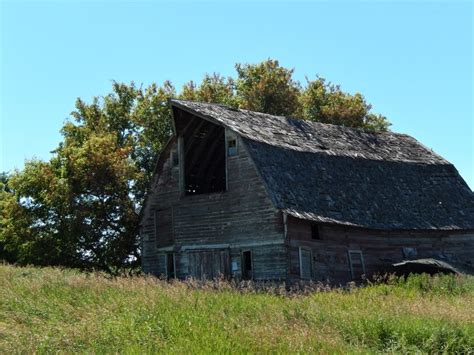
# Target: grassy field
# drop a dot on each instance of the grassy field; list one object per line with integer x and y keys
{"x": 51, "y": 310}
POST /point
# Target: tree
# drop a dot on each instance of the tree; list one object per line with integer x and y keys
{"x": 324, "y": 102}
{"x": 8, "y": 204}
{"x": 34, "y": 220}
{"x": 80, "y": 209}
{"x": 215, "y": 89}
{"x": 267, "y": 87}
{"x": 139, "y": 118}
{"x": 108, "y": 155}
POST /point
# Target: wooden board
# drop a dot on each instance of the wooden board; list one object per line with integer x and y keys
{"x": 209, "y": 264}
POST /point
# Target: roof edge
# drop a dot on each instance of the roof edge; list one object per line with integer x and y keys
{"x": 308, "y": 216}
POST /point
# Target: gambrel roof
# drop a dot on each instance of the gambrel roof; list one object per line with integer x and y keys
{"x": 334, "y": 174}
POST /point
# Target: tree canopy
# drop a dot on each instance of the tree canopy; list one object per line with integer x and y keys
{"x": 80, "y": 208}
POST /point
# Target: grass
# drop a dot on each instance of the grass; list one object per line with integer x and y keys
{"x": 52, "y": 310}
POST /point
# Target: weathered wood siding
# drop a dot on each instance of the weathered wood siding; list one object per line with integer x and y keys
{"x": 208, "y": 264}
{"x": 241, "y": 218}
{"x": 330, "y": 259}
{"x": 270, "y": 262}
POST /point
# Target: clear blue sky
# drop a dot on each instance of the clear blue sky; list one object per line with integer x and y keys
{"x": 412, "y": 61}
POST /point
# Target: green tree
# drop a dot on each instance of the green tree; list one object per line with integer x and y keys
{"x": 8, "y": 204}
{"x": 80, "y": 208}
{"x": 214, "y": 89}
{"x": 267, "y": 87}
{"x": 108, "y": 155}
{"x": 34, "y": 217}
{"x": 324, "y": 102}
{"x": 139, "y": 118}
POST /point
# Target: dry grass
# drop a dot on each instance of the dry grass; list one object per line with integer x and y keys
{"x": 52, "y": 310}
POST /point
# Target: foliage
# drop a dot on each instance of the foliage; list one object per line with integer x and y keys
{"x": 35, "y": 221}
{"x": 52, "y": 310}
{"x": 9, "y": 214}
{"x": 267, "y": 87}
{"x": 325, "y": 102}
{"x": 214, "y": 89}
{"x": 80, "y": 208}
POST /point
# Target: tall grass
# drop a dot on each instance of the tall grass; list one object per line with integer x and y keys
{"x": 51, "y": 310}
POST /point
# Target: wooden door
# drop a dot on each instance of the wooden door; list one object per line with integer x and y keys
{"x": 209, "y": 264}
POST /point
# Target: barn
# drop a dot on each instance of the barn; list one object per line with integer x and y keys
{"x": 248, "y": 195}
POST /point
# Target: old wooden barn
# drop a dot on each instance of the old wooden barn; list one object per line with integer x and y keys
{"x": 253, "y": 196}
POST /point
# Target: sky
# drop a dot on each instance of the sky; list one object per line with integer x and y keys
{"x": 411, "y": 60}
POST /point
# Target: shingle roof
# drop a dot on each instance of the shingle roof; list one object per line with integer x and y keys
{"x": 335, "y": 174}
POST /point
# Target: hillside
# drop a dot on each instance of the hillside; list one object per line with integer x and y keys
{"x": 49, "y": 310}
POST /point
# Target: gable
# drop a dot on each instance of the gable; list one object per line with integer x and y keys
{"x": 175, "y": 187}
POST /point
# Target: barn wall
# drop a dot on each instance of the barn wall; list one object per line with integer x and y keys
{"x": 243, "y": 217}
{"x": 330, "y": 260}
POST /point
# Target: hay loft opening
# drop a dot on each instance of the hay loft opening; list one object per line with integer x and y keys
{"x": 203, "y": 153}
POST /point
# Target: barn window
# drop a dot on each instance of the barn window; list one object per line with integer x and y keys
{"x": 315, "y": 233}
{"x": 231, "y": 147}
{"x": 170, "y": 266}
{"x": 305, "y": 264}
{"x": 203, "y": 149}
{"x": 247, "y": 272}
{"x": 356, "y": 264}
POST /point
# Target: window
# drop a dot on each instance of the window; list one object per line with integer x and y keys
{"x": 247, "y": 265}
{"x": 356, "y": 264}
{"x": 305, "y": 264}
{"x": 231, "y": 147}
{"x": 315, "y": 233}
{"x": 170, "y": 266}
